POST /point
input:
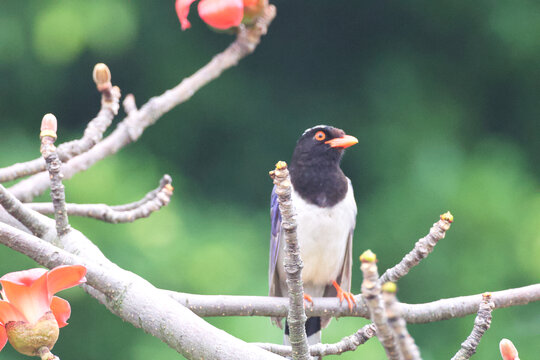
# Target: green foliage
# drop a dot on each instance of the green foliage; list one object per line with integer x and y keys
{"x": 442, "y": 95}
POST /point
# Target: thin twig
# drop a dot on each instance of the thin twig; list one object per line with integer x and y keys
{"x": 481, "y": 325}
{"x": 293, "y": 264}
{"x": 348, "y": 343}
{"x": 371, "y": 290}
{"x": 422, "y": 248}
{"x": 152, "y": 202}
{"x": 48, "y": 151}
{"x": 132, "y": 127}
{"x": 405, "y": 342}
{"x": 129, "y": 104}
{"x": 92, "y": 135}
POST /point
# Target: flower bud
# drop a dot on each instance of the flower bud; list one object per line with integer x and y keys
{"x": 368, "y": 256}
{"x": 508, "y": 350}
{"x": 389, "y": 287}
{"x": 101, "y": 74}
{"x": 221, "y": 14}
{"x": 102, "y": 77}
{"x": 253, "y": 9}
{"x": 447, "y": 216}
{"x": 28, "y": 338}
{"x": 49, "y": 126}
{"x": 281, "y": 165}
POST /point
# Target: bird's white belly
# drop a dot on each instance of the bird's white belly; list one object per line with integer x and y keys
{"x": 322, "y": 236}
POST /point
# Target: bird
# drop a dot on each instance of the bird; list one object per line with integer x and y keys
{"x": 326, "y": 217}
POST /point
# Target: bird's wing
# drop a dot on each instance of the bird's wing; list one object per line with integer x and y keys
{"x": 275, "y": 235}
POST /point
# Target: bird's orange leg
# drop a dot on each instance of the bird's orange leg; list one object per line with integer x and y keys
{"x": 344, "y": 295}
{"x": 307, "y": 298}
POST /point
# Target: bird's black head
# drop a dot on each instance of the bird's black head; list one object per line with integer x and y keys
{"x": 314, "y": 167}
{"x": 321, "y": 146}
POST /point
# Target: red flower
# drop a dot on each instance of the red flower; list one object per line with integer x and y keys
{"x": 220, "y": 14}
{"x": 27, "y": 296}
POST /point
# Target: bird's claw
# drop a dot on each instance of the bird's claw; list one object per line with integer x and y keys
{"x": 344, "y": 295}
{"x": 308, "y": 299}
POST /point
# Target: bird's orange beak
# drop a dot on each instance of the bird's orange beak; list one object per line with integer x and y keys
{"x": 342, "y": 142}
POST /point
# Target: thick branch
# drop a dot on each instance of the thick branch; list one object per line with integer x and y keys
{"x": 481, "y": 325}
{"x": 444, "y": 309}
{"x": 293, "y": 264}
{"x": 132, "y": 127}
{"x": 422, "y": 248}
{"x": 349, "y": 343}
{"x": 153, "y": 201}
{"x": 138, "y": 302}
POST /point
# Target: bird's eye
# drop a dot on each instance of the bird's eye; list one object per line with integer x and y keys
{"x": 320, "y": 136}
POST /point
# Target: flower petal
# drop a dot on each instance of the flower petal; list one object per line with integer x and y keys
{"x": 221, "y": 14}
{"x": 25, "y": 277}
{"x": 61, "y": 310}
{"x": 9, "y": 313}
{"x": 64, "y": 277}
{"x": 182, "y": 10}
{"x": 3, "y": 337}
{"x": 31, "y": 300}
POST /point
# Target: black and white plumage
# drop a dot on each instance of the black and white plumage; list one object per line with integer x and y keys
{"x": 326, "y": 216}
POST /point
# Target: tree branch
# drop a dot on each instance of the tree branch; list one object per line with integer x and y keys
{"x": 138, "y": 302}
{"x": 481, "y": 325}
{"x": 405, "y": 342}
{"x": 92, "y": 135}
{"x": 132, "y": 127}
{"x": 293, "y": 264}
{"x": 349, "y": 343}
{"x": 444, "y": 309}
{"x": 53, "y": 163}
{"x": 371, "y": 291}
{"x": 153, "y": 201}
{"x": 422, "y": 249}
{"x": 26, "y": 217}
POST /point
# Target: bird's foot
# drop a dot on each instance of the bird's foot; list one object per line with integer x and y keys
{"x": 344, "y": 295}
{"x": 307, "y": 299}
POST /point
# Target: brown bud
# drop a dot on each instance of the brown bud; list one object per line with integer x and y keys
{"x": 101, "y": 74}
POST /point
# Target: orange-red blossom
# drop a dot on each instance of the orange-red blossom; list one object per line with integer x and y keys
{"x": 30, "y": 315}
{"x": 219, "y": 14}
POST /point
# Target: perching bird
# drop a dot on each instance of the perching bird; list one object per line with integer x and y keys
{"x": 326, "y": 216}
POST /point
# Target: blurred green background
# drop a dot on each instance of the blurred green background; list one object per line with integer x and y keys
{"x": 443, "y": 96}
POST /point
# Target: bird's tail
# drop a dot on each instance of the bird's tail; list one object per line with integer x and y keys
{"x": 313, "y": 332}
